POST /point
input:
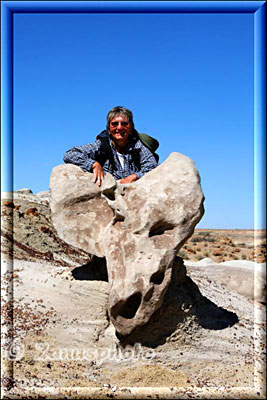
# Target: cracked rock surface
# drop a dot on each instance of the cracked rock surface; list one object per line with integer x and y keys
{"x": 138, "y": 228}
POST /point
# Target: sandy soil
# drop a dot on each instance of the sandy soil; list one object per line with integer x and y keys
{"x": 65, "y": 346}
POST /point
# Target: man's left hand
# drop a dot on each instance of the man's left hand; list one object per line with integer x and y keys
{"x": 129, "y": 179}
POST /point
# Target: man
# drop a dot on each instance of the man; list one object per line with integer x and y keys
{"x": 117, "y": 150}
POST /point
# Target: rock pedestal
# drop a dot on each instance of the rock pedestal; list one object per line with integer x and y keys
{"x": 137, "y": 227}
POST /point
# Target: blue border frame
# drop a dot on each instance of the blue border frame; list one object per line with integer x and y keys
{"x": 258, "y": 8}
{"x": 260, "y": 117}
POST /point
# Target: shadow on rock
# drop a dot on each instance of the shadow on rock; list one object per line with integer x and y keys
{"x": 95, "y": 270}
{"x": 183, "y": 313}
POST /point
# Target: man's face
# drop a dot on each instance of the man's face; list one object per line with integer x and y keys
{"x": 120, "y": 129}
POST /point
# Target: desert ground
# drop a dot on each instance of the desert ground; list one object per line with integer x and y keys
{"x": 58, "y": 342}
{"x": 226, "y": 244}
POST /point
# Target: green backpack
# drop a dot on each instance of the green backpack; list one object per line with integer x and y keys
{"x": 151, "y": 143}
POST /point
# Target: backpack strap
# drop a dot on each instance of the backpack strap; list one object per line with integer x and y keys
{"x": 151, "y": 143}
{"x": 105, "y": 151}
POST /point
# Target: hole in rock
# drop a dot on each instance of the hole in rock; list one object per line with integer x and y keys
{"x": 110, "y": 195}
{"x": 118, "y": 218}
{"x": 157, "y": 277}
{"x": 129, "y": 308}
{"x": 149, "y": 294}
{"x": 95, "y": 270}
{"x": 159, "y": 228}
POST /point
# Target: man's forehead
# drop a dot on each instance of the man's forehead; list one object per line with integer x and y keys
{"x": 120, "y": 116}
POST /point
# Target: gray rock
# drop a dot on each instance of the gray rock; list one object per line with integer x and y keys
{"x": 138, "y": 227}
{"x": 24, "y": 191}
{"x": 44, "y": 195}
{"x": 25, "y": 195}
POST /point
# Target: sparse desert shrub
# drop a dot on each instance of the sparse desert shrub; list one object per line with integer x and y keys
{"x": 190, "y": 250}
{"x": 203, "y": 239}
{"x": 198, "y": 249}
{"x": 235, "y": 258}
{"x": 196, "y": 239}
{"x": 210, "y": 239}
{"x": 199, "y": 258}
{"x": 204, "y": 233}
{"x": 182, "y": 255}
{"x": 217, "y": 252}
{"x": 206, "y": 254}
{"x": 244, "y": 257}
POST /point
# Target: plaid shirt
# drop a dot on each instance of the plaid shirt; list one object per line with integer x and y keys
{"x": 85, "y": 156}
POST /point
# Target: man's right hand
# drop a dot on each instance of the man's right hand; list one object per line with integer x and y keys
{"x": 98, "y": 173}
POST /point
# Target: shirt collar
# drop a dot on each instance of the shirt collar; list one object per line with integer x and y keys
{"x": 132, "y": 144}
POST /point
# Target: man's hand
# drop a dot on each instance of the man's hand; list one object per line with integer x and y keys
{"x": 129, "y": 179}
{"x": 98, "y": 173}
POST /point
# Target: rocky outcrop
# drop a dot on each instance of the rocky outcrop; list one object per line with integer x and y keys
{"x": 27, "y": 232}
{"x": 138, "y": 228}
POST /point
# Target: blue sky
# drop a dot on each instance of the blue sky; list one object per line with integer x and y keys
{"x": 188, "y": 78}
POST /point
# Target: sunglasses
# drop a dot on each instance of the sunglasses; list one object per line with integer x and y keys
{"x": 116, "y": 123}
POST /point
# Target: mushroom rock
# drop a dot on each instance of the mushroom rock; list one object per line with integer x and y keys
{"x": 138, "y": 227}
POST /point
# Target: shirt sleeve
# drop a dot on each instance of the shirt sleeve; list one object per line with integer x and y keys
{"x": 147, "y": 161}
{"x": 83, "y": 156}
